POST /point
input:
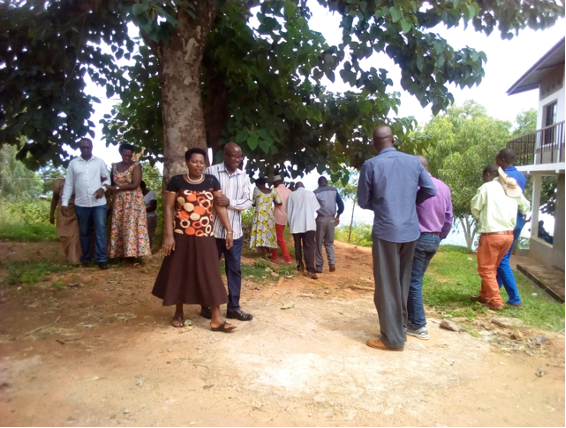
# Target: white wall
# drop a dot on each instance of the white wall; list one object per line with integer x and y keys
{"x": 551, "y": 77}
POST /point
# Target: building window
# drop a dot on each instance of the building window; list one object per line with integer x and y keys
{"x": 549, "y": 120}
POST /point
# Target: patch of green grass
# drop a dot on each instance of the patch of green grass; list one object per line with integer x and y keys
{"x": 452, "y": 278}
{"x": 58, "y": 285}
{"x": 259, "y": 275}
{"x": 22, "y": 232}
{"x": 26, "y": 221}
{"x": 30, "y": 273}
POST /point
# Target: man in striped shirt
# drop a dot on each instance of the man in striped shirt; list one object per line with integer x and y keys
{"x": 235, "y": 186}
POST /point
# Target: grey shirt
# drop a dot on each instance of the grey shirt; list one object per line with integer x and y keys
{"x": 391, "y": 184}
{"x": 328, "y": 197}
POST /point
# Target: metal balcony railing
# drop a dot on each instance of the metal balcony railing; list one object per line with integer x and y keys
{"x": 542, "y": 146}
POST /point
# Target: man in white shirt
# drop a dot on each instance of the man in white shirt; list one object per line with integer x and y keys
{"x": 88, "y": 178}
{"x": 150, "y": 201}
{"x": 301, "y": 209}
{"x": 235, "y": 185}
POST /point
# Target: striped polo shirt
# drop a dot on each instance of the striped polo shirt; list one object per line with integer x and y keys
{"x": 235, "y": 187}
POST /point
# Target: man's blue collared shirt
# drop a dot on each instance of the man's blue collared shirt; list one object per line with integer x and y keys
{"x": 512, "y": 172}
{"x": 391, "y": 184}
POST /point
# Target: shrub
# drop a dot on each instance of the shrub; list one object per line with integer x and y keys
{"x": 361, "y": 234}
{"x": 26, "y": 221}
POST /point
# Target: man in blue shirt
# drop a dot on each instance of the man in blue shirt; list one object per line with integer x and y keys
{"x": 391, "y": 184}
{"x": 504, "y": 160}
{"x": 326, "y": 221}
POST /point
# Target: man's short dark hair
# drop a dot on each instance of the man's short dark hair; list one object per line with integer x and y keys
{"x": 322, "y": 180}
{"x": 126, "y": 146}
{"x": 508, "y": 155}
{"x": 191, "y": 152}
{"x": 491, "y": 169}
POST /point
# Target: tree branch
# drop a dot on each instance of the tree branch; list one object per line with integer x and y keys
{"x": 148, "y": 41}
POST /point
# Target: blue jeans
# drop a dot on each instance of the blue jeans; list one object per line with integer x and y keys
{"x": 427, "y": 246}
{"x": 86, "y": 216}
{"x": 232, "y": 258}
{"x": 505, "y": 275}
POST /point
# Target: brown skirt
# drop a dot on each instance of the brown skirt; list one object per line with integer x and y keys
{"x": 191, "y": 274}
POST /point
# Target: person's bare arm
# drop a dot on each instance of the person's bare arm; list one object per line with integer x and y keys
{"x": 152, "y": 206}
{"x": 54, "y": 203}
{"x": 223, "y": 216}
{"x": 136, "y": 180}
{"x": 168, "y": 216}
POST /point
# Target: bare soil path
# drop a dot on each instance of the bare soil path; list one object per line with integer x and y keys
{"x": 107, "y": 356}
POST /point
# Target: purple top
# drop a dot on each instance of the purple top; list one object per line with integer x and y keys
{"x": 435, "y": 214}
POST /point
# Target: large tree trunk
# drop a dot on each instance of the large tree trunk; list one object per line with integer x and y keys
{"x": 216, "y": 112}
{"x": 180, "y": 76}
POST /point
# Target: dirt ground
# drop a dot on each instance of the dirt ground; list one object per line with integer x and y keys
{"x": 103, "y": 353}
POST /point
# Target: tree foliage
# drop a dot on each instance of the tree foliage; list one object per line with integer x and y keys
{"x": 260, "y": 84}
{"x": 526, "y": 122}
{"x": 17, "y": 183}
{"x": 460, "y": 144}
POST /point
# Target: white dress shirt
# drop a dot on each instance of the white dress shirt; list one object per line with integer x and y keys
{"x": 235, "y": 187}
{"x": 301, "y": 209}
{"x": 147, "y": 201}
{"x": 85, "y": 177}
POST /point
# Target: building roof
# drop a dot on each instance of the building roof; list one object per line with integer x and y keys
{"x": 532, "y": 78}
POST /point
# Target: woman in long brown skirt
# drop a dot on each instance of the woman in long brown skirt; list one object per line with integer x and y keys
{"x": 190, "y": 273}
{"x": 67, "y": 226}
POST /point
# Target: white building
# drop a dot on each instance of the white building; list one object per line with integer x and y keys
{"x": 541, "y": 153}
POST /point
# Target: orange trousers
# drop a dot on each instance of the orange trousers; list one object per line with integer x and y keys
{"x": 280, "y": 229}
{"x": 491, "y": 249}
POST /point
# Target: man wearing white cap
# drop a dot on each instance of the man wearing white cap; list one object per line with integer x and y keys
{"x": 495, "y": 207}
{"x": 280, "y": 215}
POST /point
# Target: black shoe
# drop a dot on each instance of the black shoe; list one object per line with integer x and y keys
{"x": 301, "y": 268}
{"x": 206, "y": 313}
{"x": 239, "y": 315}
{"x": 103, "y": 265}
{"x": 85, "y": 264}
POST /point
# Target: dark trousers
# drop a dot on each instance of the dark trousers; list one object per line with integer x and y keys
{"x": 86, "y": 217}
{"x": 392, "y": 263}
{"x": 505, "y": 275}
{"x": 305, "y": 243}
{"x": 426, "y": 248}
{"x": 233, "y": 258}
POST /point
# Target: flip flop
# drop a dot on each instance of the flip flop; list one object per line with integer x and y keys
{"x": 179, "y": 319}
{"x": 222, "y": 327}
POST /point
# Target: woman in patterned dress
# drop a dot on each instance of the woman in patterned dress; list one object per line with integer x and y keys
{"x": 128, "y": 234}
{"x": 190, "y": 273}
{"x": 263, "y": 225}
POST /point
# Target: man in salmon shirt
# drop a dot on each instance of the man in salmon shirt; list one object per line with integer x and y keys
{"x": 280, "y": 215}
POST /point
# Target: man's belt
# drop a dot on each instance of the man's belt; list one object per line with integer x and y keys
{"x": 504, "y": 232}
